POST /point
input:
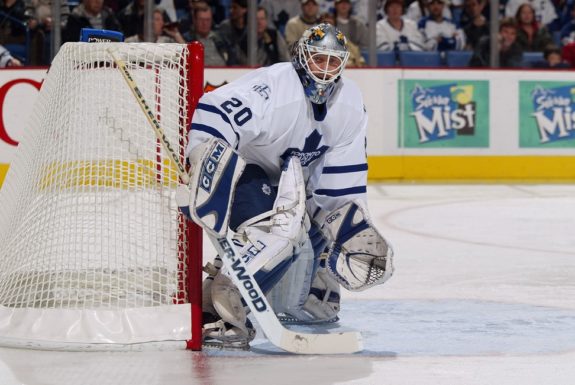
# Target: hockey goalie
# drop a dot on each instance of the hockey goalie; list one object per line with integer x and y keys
{"x": 279, "y": 158}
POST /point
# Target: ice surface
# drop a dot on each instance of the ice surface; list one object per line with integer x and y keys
{"x": 484, "y": 293}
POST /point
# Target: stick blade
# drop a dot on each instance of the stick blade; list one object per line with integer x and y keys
{"x": 330, "y": 343}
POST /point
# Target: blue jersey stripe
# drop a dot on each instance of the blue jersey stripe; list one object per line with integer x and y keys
{"x": 209, "y": 130}
{"x": 213, "y": 109}
{"x": 341, "y": 191}
{"x": 345, "y": 169}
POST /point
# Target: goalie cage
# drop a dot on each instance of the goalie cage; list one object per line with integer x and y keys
{"x": 95, "y": 255}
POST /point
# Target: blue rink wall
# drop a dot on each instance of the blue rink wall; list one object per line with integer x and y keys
{"x": 425, "y": 125}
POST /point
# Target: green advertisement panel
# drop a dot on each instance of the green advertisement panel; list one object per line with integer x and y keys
{"x": 546, "y": 114}
{"x": 443, "y": 113}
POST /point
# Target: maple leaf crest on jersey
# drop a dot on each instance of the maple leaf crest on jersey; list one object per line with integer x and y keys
{"x": 310, "y": 152}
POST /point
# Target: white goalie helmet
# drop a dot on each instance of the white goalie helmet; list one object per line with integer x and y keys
{"x": 319, "y": 58}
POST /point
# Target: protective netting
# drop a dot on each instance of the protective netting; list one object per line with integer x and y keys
{"x": 87, "y": 212}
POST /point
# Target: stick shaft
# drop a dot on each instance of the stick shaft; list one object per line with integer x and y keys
{"x": 150, "y": 116}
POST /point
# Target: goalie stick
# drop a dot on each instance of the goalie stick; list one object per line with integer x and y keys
{"x": 288, "y": 340}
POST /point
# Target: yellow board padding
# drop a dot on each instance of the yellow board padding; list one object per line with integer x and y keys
{"x": 105, "y": 173}
{"x": 472, "y": 168}
{"x": 532, "y": 168}
{"x": 3, "y": 171}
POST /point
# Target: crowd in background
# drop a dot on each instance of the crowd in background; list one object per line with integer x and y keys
{"x": 546, "y": 26}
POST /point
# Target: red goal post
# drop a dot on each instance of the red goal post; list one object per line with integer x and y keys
{"x": 95, "y": 253}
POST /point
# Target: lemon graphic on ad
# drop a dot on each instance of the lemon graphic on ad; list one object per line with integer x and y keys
{"x": 461, "y": 94}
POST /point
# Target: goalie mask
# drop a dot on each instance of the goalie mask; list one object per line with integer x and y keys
{"x": 319, "y": 58}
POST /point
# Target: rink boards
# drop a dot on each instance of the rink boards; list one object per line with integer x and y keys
{"x": 424, "y": 124}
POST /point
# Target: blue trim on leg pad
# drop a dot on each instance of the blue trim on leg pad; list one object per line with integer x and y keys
{"x": 268, "y": 279}
{"x": 318, "y": 243}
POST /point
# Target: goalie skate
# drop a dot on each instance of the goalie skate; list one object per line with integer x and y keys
{"x": 230, "y": 331}
{"x": 222, "y": 335}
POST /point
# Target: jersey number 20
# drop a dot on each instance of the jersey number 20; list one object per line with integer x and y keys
{"x": 240, "y": 116}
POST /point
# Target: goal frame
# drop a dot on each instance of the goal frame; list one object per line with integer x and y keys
{"x": 196, "y": 89}
{"x": 189, "y": 264}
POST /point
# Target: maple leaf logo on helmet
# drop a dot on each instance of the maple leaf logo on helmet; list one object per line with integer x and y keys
{"x": 314, "y": 34}
{"x": 341, "y": 38}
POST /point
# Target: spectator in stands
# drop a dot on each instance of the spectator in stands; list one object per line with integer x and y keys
{"x": 233, "y": 30}
{"x": 164, "y": 31}
{"x": 439, "y": 32}
{"x": 474, "y": 23}
{"x": 271, "y": 48}
{"x": 7, "y": 60}
{"x": 354, "y": 29}
{"x": 13, "y": 21}
{"x": 361, "y": 10}
{"x": 563, "y": 8}
{"x": 355, "y": 58}
{"x": 39, "y": 13}
{"x": 567, "y": 33}
{"x": 89, "y": 14}
{"x": 531, "y": 36}
{"x": 419, "y": 9}
{"x": 115, "y": 5}
{"x": 568, "y": 54}
{"x": 544, "y": 10}
{"x": 396, "y": 32}
{"x": 279, "y": 12}
{"x": 218, "y": 9}
{"x": 169, "y": 10}
{"x": 216, "y": 50}
{"x": 186, "y": 18}
{"x": 306, "y": 19}
{"x": 552, "y": 59}
{"x": 456, "y": 9}
{"x": 131, "y": 18}
{"x": 510, "y": 52}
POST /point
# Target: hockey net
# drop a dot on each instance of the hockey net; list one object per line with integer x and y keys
{"x": 94, "y": 251}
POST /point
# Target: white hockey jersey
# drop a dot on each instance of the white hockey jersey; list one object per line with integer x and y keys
{"x": 409, "y": 38}
{"x": 267, "y": 118}
{"x": 453, "y": 38}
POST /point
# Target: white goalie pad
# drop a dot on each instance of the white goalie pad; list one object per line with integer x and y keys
{"x": 215, "y": 171}
{"x": 304, "y": 298}
{"x": 289, "y": 210}
{"x": 275, "y": 236}
{"x": 291, "y": 292}
{"x": 358, "y": 257}
{"x": 267, "y": 244}
{"x": 323, "y": 300}
{"x": 227, "y": 302}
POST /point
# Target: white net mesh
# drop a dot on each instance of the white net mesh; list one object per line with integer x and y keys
{"x": 87, "y": 212}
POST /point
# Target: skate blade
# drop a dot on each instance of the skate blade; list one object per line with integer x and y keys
{"x": 225, "y": 345}
{"x": 287, "y": 319}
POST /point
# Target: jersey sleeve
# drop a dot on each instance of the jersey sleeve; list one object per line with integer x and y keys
{"x": 234, "y": 113}
{"x": 342, "y": 177}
